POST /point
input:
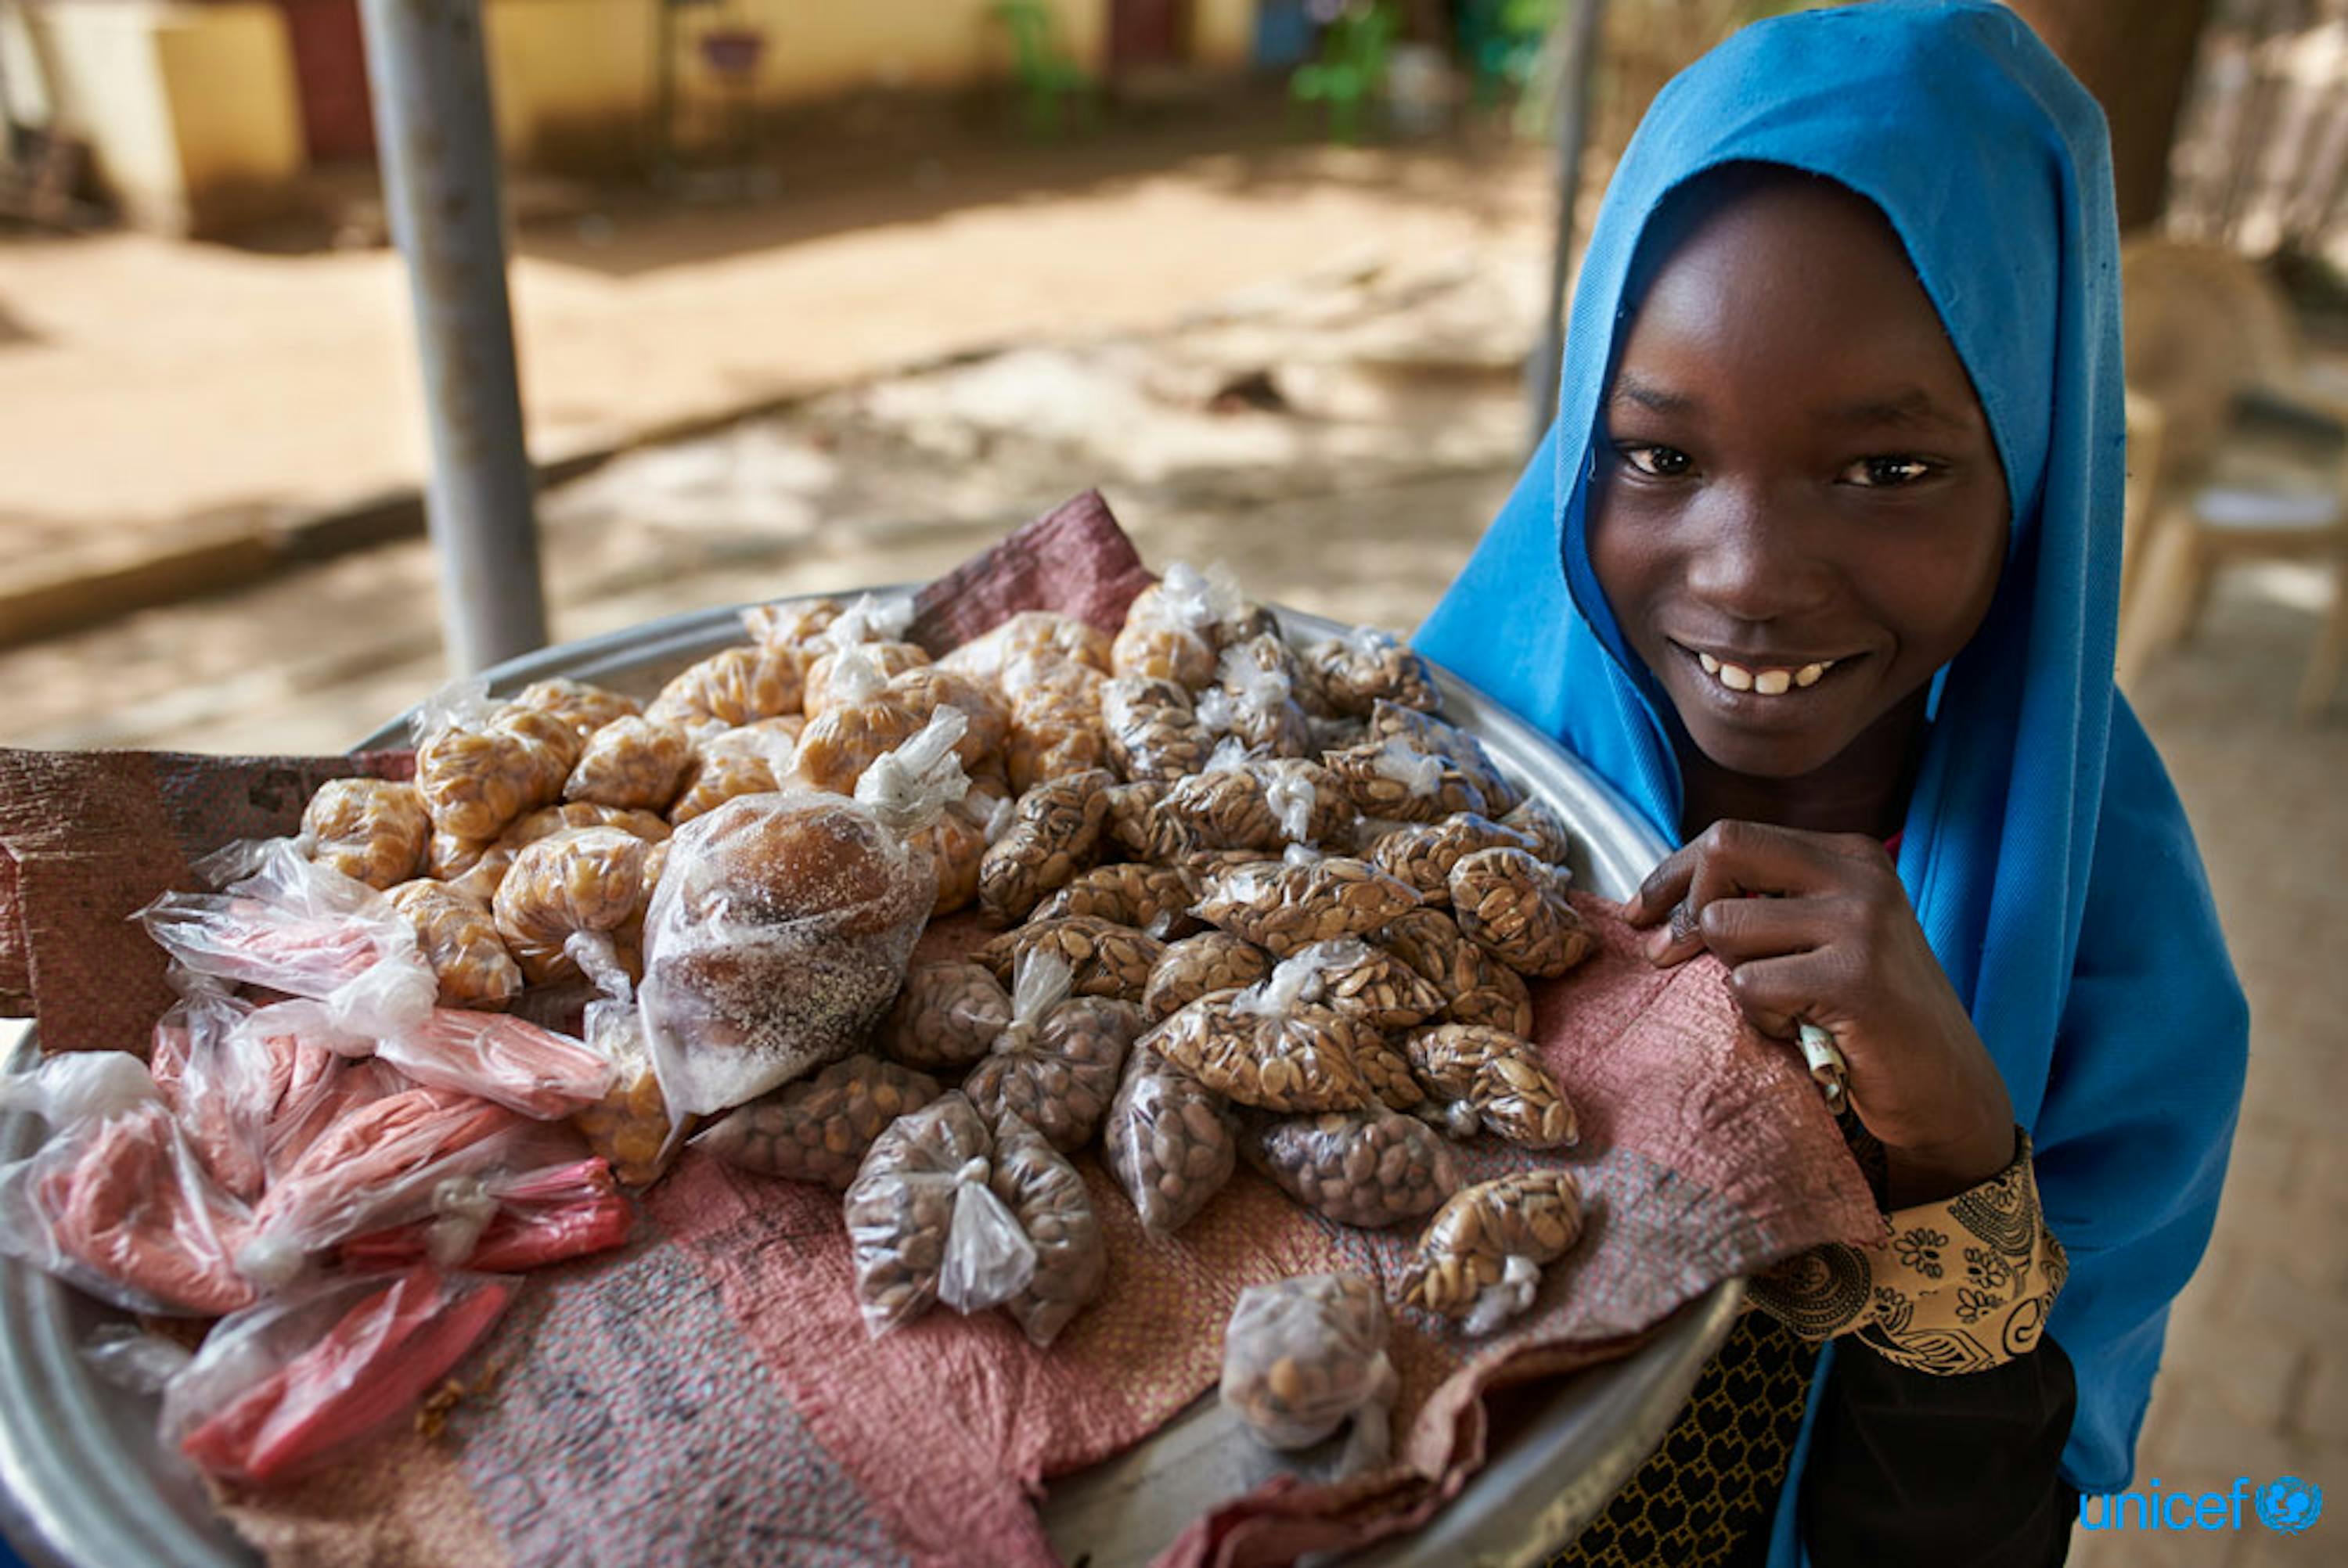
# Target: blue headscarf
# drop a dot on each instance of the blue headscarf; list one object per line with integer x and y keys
{"x": 2044, "y": 851}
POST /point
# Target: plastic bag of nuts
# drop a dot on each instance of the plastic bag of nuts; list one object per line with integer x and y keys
{"x": 459, "y": 937}
{"x": 564, "y": 898}
{"x": 1189, "y": 969}
{"x": 1423, "y": 854}
{"x": 1477, "y": 987}
{"x": 733, "y": 686}
{"x": 1303, "y": 1354}
{"x": 947, "y": 1017}
{"x": 1482, "y": 1077}
{"x": 1388, "y": 779}
{"x": 1367, "y": 1168}
{"x": 478, "y": 775}
{"x": 719, "y": 777}
{"x": 1169, "y": 632}
{"x": 1387, "y": 1073}
{"x": 1352, "y": 976}
{"x": 1267, "y": 1047}
{"x": 370, "y": 830}
{"x": 1151, "y": 732}
{"x": 585, "y": 708}
{"x": 1225, "y": 807}
{"x": 1424, "y": 731}
{"x": 1544, "y": 831}
{"x": 629, "y": 1125}
{"x": 1132, "y": 816}
{"x": 1056, "y": 1064}
{"x": 956, "y": 846}
{"x": 924, "y": 1223}
{"x": 925, "y": 689}
{"x": 551, "y": 820}
{"x": 1353, "y": 672}
{"x": 1042, "y": 635}
{"x": 866, "y": 721}
{"x": 1107, "y": 960}
{"x": 1055, "y": 720}
{"x": 1055, "y": 830}
{"x": 631, "y": 763}
{"x": 1285, "y": 906}
{"x": 1481, "y": 1255}
{"x": 1254, "y": 699}
{"x": 818, "y": 1129}
{"x": 790, "y": 623}
{"x": 1513, "y": 906}
{"x": 1172, "y": 1142}
{"x": 888, "y": 657}
{"x": 1051, "y": 1204}
{"x": 1152, "y": 898}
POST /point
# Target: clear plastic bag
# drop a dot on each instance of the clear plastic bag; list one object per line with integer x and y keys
{"x": 1056, "y": 1064}
{"x": 1153, "y": 734}
{"x": 1481, "y": 1256}
{"x": 584, "y": 707}
{"x": 459, "y": 937}
{"x": 924, "y": 1223}
{"x": 1170, "y": 1141}
{"x": 1424, "y": 731}
{"x": 115, "y": 1201}
{"x": 476, "y": 776}
{"x": 1482, "y": 1078}
{"x": 780, "y": 930}
{"x": 818, "y": 1129}
{"x": 1050, "y": 1203}
{"x": 631, "y": 763}
{"x": 1389, "y": 779}
{"x": 1210, "y": 961}
{"x": 223, "y": 1083}
{"x": 503, "y": 1060}
{"x": 1287, "y": 904}
{"x": 1512, "y": 905}
{"x": 1423, "y": 854}
{"x": 305, "y": 930}
{"x": 1355, "y": 672}
{"x": 1152, "y": 898}
{"x": 1107, "y": 960}
{"x": 1254, "y": 700}
{"x": 888, "y": 657}
{"x": 630, "y": 1126}
{"x": 1302, "y": 1356}
{"x": 733, "y": 686}
{"x": 1169, "y": 629}
{"x": 1267, "y": 1047}
{"x": 506, "y": 1221}
{"x": 285, "y": 1386}
{"x": 948, "y": 1016}
{"x": 1042, "y": 635}
{"x": 865, "y": 720}
{"x": 1053, "y": 832}
{"x": 371, "y": 830}
{"x": 1368, "y": 1168}
{"x": 566, "y": 898}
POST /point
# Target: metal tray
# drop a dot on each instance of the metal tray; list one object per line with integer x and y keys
{"x": 86, "y": 1485}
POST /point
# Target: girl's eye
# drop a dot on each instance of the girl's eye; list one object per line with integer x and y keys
{"x": 1657, "y": 462}
{"x": 1888, "y": 473}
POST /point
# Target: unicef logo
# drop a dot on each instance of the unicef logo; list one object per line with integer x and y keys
{"x": 2289, "y": 1504}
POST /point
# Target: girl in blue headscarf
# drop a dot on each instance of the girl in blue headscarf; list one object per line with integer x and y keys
{"x": 1819, "y": 568}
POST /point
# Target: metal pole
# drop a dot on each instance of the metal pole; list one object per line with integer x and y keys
{"x": 1573, "y": 128}
{"x": 439, "y": 149}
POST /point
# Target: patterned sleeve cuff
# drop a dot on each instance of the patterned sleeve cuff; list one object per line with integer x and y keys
{"x": 1957, "y": 1286}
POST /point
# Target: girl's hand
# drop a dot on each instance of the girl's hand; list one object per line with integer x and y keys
{"x": 1817, "y": 928}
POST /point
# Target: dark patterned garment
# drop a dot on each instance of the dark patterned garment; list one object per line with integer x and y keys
{"x": 1958, "y": 1287}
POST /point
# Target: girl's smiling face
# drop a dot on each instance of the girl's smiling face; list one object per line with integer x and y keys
{"x": 1799, "y": 513}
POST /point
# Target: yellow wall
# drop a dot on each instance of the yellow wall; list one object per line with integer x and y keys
{"x": 1222, "y": 32}
{"x": 190, "y": 110}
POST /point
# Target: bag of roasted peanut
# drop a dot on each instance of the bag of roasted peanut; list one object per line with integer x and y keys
{"x": 1172, "y": 1142}
{"x": 1055, "y": 1063}
{"x": 1302, "y": 1356}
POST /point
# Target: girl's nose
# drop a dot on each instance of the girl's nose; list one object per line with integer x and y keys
{"x": 1752, "y": 558}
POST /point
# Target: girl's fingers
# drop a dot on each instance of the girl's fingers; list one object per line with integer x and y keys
{"x": 1741, "y": 930}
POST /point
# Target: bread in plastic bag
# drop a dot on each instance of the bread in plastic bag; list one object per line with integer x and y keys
{"x": 1302, "y": 1356}
{"x": 370, "y": 830}
{"x": 818, "y": 1129}
{"x": 779, "y": 931}
{"x": 1054, "y": 834}
{"x": 459, "y": 937}
{"x": 633, "y": 763}
{"x": 1285, "y": 906}
{"x": 115, "y": 1201}
{"x": 1512, "y": 905}
{"x": 1152, "y": 898}
{"x": 1353, "y": 672}
{"x": 1057, "y": 1062}
{"x": 1481, "y": 1255}
{"x": 303, "y": 930}
{"x": 924, "y": 1223}
{"x": 1189, "y": 969}
{"x": 946, "y": 1018}
{"x": 733, "y": 686}
{"x": 1423, "y": 854}
{"x": 1368, "y": 1168}
{"x": 586, "y": 708}
{"x": 1170, "y": 1141}
{"x": 286, "y": 1385}
{"x": 1107, "y": 959}
{"x": 1049, "y": 1200}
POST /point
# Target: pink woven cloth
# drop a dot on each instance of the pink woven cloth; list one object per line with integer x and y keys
{"x": 708, "y": 1395}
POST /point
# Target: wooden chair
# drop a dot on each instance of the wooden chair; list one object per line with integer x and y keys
{"x": 2210, "y": 341}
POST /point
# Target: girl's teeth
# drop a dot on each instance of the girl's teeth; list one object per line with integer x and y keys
{"x": 1737, "y": 678}
{"x": 1808, "y": 675}
{"x": 1710, "y": 665}
{"x": 1772, "y": 682}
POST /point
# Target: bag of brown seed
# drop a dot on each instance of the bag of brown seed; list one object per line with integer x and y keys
{"x": 1254, "y": 700}
{"x": 793, "y": 624}
{"x": 818, "y": 1129}
{"x": 1352, "y": 976}
{"x": 477, "y": 768}
{"x": 865, "y": 721}
{"x": 634, "y": 763}
{"x": 1152, "y": 898}
{"x": 1107, "y": 960}
{"x": 1189, "y": 969}
{"x": 564, "y": 900}
{"x": 370, "y": 830}
{"x": 1481, "y": 1255}
{"x": 1388, "y": 779}
{"x": 630, "y": 1126}
{"x": 1355, "y": 672}
{"x": 888, "y": 657}
{"x": 1478, "y": 987}
{"x": 1513, "y": 906}
{"x": 1152, "y": 734}
{"x": 1286, "y": 906}
{"x": 947, "y": 1017}
{"x": 459, "y": 937}
{"x": 924, "y": 1223}
{"x": 1482, "y": 1078}
{"x": 1267, "y": 1047}
{"x": 1545, "y": 831}
{"x": 585, "y": 708}
{"x": 1302, "y": 1356}
{"x": 1048, "y": 1200}
{"x": 1423, "y": 854}
{"x": 1055, "y": 832}
{"x": 1055, "y": 720}
{"x": 1172, "y": 1142}
{"x": 1367, "y": 1168}
{"x": 1439, "y": 737}
{"x": 1056, "y": 1064}
{"x": 1041, "y": 635}
{"x": 733, "y": 686}
{"x": 1171, "y": 629}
